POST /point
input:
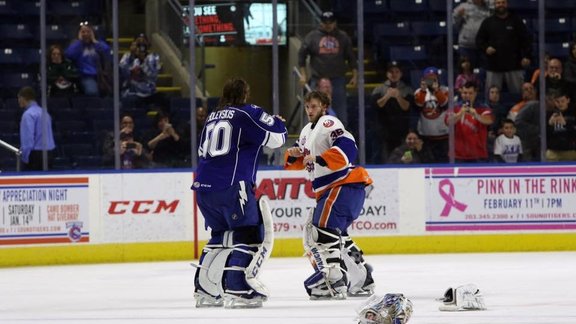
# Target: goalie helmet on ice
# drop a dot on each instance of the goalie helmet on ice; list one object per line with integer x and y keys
{"x": 387, "y": 309}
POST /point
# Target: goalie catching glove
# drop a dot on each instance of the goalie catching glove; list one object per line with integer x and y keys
{"x": 463, "y": 298}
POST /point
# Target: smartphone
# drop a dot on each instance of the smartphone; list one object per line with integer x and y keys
{"x": 130, "y": 146}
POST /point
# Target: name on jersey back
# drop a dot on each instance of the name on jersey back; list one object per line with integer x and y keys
{"x": 222, "y": 114}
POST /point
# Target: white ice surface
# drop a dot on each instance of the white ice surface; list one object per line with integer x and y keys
{"x": 518, "y": 288}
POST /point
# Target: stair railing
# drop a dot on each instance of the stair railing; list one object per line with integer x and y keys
{"x": 16, "y": 151}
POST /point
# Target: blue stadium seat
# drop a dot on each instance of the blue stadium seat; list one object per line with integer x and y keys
{"x": 10, "y": 56}
{"x": 429, "y": 28}
{"x": 67, "y": 114}
{"x": 27, "y": 8}
{"x": 87, "y": 162}
{"x": 559, "y": 4}
{"x": 409, "y": 6}
{"x": 69, "y": 126}
{"x": 56, "y": 33}
{"x": 73, "y": 150}
{"x": 558, "y": 50}
{"x": 11, "y": 126}
{"x": 86, "y": 102}
{"x": 102, "y": 125}
{"x": 375, "y": 6}
{"x": 61, "y": 163}
{"x": 11, "y": 104}
{"x": 13, "y": 81}
{"x": 30, "y": 56}
{"x": 408, "y": 53}
{"x": 99, "y": 113}
{"x": 19, "y": 32}
{"x": 523, "y": 5}
{"x": 400, "y": 29}
{"x": 58, "y": 103}
{"x": 79, "y": 9}
{"x": 6, "y": 9}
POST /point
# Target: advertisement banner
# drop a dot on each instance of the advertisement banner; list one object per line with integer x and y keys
{"x": 500, "y": 199}
{"x": 146, "y": 207}
{"x": 291, "y": 198}
{"x": 44, "y": 210}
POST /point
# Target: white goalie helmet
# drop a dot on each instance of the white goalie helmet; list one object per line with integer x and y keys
{"x": 387, "y": 309}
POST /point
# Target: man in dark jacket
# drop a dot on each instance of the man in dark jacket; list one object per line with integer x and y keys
{"x": 505, "y": 40}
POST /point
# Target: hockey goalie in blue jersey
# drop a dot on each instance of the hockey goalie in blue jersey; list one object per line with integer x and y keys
{"x": 326, "y": 150}
{"x": 241, "y": 228}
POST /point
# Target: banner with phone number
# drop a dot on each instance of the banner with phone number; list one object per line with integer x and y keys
{"x": 500, "y": 199}
{"x": 291, "y": 198}
{"x": 44, "y": 210}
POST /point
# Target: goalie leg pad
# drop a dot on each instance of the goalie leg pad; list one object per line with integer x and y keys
{"x": 324, "y": 251}
{"x": 241, "y": 287}
{"x": 208, "y": 278}
{"x": 359, "y": 272}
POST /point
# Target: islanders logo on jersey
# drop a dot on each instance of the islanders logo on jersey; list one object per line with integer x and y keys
{"x": 328, "y": 123}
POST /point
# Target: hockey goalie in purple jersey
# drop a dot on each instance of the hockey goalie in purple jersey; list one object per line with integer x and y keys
{"x": 241, "y": 228}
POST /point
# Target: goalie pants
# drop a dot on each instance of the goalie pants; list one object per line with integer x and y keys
{"x": 338, "y": 207}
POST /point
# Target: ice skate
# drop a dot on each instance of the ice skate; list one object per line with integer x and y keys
{"x": 204, "y": 300}
{"x": 242, "y": 301}
{"x": 323, "y": 291}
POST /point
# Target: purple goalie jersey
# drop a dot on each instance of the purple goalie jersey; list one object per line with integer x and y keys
{"x": 231, "y": 144}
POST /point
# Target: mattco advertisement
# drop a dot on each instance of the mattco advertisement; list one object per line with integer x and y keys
{"x": 291, "y": 199}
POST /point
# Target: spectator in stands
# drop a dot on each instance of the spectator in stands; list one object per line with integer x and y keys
{"x": 392, "y": 101}
{"x": 164, "y": 143}
{"x": 505, "y": 40}
{"x": 528, "y": 129}
{"x": 93, "y": 59}
{"x": 35, "y": 132}
{"x": 325, "y": 85}
{"x": 561, "y": 129}
{"x": 132, "y": 155}
{"x": 432, "y": 101}
{"x": 139, "y": 69}
{"x": 536, "y": 74}
{"x": 412, "y": 151}
{"x": 466, "y": 75}
{"x": 570, "y": 64}
{"x": 528, "y": 95}
{"x": 331, "y": 52}
{"x": 61, "y": 74}
{"x": 499, "y": 111}
{"x": 508, "y": 147}
{"x": 468, "y": 16}
{"x": 471, "y": 120}
{"x": 131, "y": 151}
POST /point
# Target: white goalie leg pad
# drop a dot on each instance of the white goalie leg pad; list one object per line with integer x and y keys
{"x": 328, "y": 280}
{"x": 209, "y": 279}
{"x": 360, "y": 281}
{"x": 388, "y": 309}
{"x": 463, "y": 298}
{"x": 264, "y": 250}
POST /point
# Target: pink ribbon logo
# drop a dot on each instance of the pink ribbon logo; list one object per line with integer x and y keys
{"x": 448, "y": 196}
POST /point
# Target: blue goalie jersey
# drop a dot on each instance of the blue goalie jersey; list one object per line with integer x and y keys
{"x": 231, "y": 144}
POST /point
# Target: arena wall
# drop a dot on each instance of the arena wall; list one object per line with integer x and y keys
{"x": 151, "y": 216}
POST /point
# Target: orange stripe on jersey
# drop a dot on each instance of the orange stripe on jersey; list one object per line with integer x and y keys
{"x": 328, "y": 207}
{"x": 297, "y": 165}
{"x": 335, "y": 159}
{"x": 357, "y": 175}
